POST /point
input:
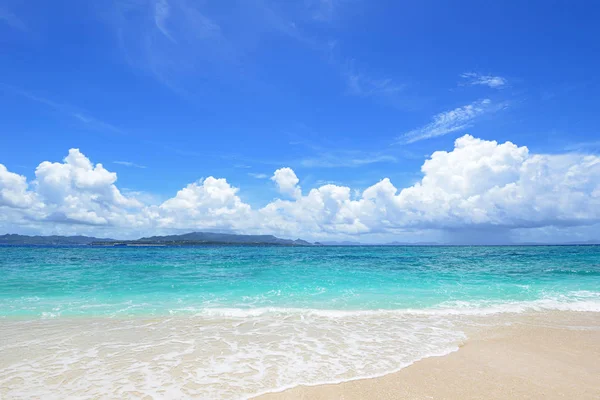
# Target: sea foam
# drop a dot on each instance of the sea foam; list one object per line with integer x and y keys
{"x": 211, "y": 356}
{"x": 226, "y": 353}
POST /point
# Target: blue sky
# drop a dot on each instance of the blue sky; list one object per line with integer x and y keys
{"x": 348, "y": 92}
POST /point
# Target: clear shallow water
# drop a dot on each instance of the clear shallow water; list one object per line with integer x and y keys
{"x": 231, "y": 322}
{"x": 85, "y": 281}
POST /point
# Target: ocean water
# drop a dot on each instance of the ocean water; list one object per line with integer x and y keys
{"x": 231, "y": 322}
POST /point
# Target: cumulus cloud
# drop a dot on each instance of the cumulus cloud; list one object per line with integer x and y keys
{"x": 287, "y": 182}
{"x": 78, "y": 180}
{"x": 478, "y": 186}
{"x": 74, "y": 191}
{"x": 14, "y": 190}
{"x": 208, "y": 203}
{"x": 324, "y": 210}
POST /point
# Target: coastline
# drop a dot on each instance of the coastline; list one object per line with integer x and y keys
{"x": 531, "y": 355}
{"x": 550, "y": 355}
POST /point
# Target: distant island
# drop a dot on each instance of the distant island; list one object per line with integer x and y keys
{"x": 212, "y": 238}
{"x": 349, "y": 243}
{"x": 204, "y": 238}
{"x": 187, "y": 239}
{"x": 48, "y": 240}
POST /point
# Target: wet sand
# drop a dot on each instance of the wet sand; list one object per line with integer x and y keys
{"x": 538, "y": 356}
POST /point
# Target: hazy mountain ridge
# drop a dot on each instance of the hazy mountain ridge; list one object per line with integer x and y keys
{"x": 207, "y": 238}
{"x": 49, "y": 240}
{"x": 191, "y": 238}
{"x": 219, "y": 238}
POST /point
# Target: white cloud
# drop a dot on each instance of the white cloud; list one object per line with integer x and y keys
{"x": 287, "y": 182}
{"x": 207, "y": 204}
{"x": 14, "y": 190}
{"x": 161, "y": 14}
{"x": 483, "y": 183}
{"x": 473, "y": 78}
{"x": 449, "y": 121}
{"x": 362, "y": 85}
{"x": 129, "y": 164}
{"x": 75, "y": 192}
{"x": 324, "y": 211}
{"x": 337, "y": 159}
{"x": 172, "y": 41}
{"x": 258, "y": 175}
{"x": 478, "y": 188}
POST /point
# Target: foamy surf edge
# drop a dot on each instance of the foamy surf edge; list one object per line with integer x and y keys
{"x": 581, "y": 301}
{"x": 330, "y": 346}
{"x": 357, "y": 378}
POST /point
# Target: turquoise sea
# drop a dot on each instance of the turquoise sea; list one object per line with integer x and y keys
{"x": 107, "y": 281}
{"x": 230, "y": 322}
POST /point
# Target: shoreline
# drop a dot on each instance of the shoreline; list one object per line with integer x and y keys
{"x": 497, "y": 356}
{"x": 551, "y": 355}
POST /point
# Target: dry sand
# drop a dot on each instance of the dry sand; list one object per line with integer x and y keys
{"x": 537, "y": 356}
